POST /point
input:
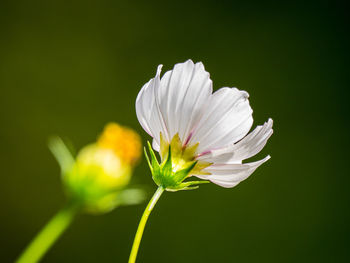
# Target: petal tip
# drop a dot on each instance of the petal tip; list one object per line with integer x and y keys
{"x": 159, "y": 70}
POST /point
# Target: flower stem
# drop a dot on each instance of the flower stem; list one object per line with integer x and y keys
{"x": 142, "y": 224}
{"x": 48, "y": 235}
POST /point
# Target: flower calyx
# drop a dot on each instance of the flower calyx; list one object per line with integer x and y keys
{"x": 166, "y": 176}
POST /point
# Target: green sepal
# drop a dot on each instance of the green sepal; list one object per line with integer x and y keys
{"x": 132, "y": 196}
{"x": 163, "y": 174}
{"x": 182, "y": 174}
{"x": 123, "y": 197}
{"x": 191, "y": 185}
{"x": 154, "y": 163}
{"x": 153, "y": 156}
{"x": 167, "y": 166}
{"x": 147, "y": 158}
{"x": 61, "y": 153}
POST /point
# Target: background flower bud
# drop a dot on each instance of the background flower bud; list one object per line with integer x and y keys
{"x": 98, "y": 176}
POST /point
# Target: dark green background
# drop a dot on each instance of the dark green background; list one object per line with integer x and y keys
{"x": 69, "y": 67}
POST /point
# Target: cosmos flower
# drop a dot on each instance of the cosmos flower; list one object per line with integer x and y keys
{"x": 198, "y": 132}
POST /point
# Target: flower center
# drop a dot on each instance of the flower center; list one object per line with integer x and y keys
{"x": 182, "y": 156}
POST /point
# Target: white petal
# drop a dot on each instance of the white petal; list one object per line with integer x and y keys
{"x": 184, "y": 92}
{"x": 147, "y": 108}
{"x": 244, "y": 149}
{"x": 229, "y": 175}
{"x": 227, "y": 119}
{"x": 253, "y": 142}
{"x": 155, "y": 145}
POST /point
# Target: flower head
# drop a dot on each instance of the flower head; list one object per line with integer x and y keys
{"x": 198, "y": 132}
{"x": 98, "y": 176}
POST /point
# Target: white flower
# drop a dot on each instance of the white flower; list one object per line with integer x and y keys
{"x": 181, "y": 110}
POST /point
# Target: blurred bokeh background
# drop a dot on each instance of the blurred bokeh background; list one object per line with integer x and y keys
{"x": 69, "y": 67}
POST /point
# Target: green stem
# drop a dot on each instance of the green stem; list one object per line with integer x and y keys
{"x": 48, "y": 235}
{"x": 142, "y": 224}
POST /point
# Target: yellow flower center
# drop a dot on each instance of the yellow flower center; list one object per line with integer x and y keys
{"x": 123, "y": 141}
